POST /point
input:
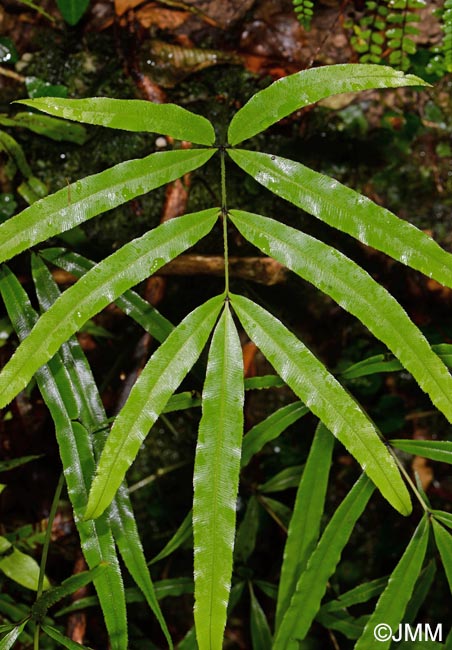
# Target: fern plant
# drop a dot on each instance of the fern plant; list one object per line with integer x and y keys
{"x": 441, "y": 62}
{"x": 386, "y": 30}
{"x": 304, "y": 10}
{"x": 95, "y": 467}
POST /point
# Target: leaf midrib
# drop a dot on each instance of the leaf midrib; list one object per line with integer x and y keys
{"x": 217, "y": 465}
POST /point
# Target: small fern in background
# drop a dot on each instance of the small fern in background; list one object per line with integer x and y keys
{"x": 447, "y": 27}
{"x": 401, "y": 16}
{"x": 304, "y": 10}
{"x": 441, "y": 63}
{"x": 386, "y": 32}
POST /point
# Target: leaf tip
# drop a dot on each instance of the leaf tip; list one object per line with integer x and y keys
{"x": 402, "y": 503}
{"x": 413, "y": 80}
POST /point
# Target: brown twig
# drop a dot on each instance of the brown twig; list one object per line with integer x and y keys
{"x": 6, "y": 72}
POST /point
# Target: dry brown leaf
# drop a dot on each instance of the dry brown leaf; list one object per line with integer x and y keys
{"x": 170, "y": 19}
{"x": 121, "y": 6}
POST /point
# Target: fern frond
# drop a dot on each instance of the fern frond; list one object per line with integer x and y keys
{"x": 304, "y": 10}
{"x": 447, "y": 40}
{"x": 386, "y": 32}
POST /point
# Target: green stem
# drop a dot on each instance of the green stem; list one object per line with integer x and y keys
{"x": 224, "y": 213}
{"x": 153, "y": 477}
{"x": 409, "y": 480}
{"x": 45, "y": 551}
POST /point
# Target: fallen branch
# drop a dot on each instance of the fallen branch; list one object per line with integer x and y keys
{"x": 263, "y": 270}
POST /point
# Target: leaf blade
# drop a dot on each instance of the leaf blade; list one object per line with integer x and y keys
{"x": 163, "y": 373}
{"x": 326, "y": 398}
{"x": 64, "y": 641}
{"x": 93, "y": 416}
{"x": 215, "y": 480}
{"x": 440, "y": 450}
{"x": 392, "y": 603}
{"x": 72, "y": 10}
{"x": 130, "y": 115}
{"x": 130, "y": 302}
{"x": 304, "y": 525}
{"x": 180, "y": 536}
{"x": 21, "y": 568}
{"x": 348, "y": 211}
{"x": 443, "y": 541}
{"x": 295, "y": 91}
{"x": 66, "y": 588}
{"x": 93, "y": 195}
{"x": 10, "y": 639}
{"x": 357, "y": 292}
{"x": 270, "y": 428}
{"x": 260, "y": 630}
{"x": 95, "y": 290}
{"x": 78, "y": 464}
{"x": 50, "y": 127}
{"x": 312, "y": 583}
